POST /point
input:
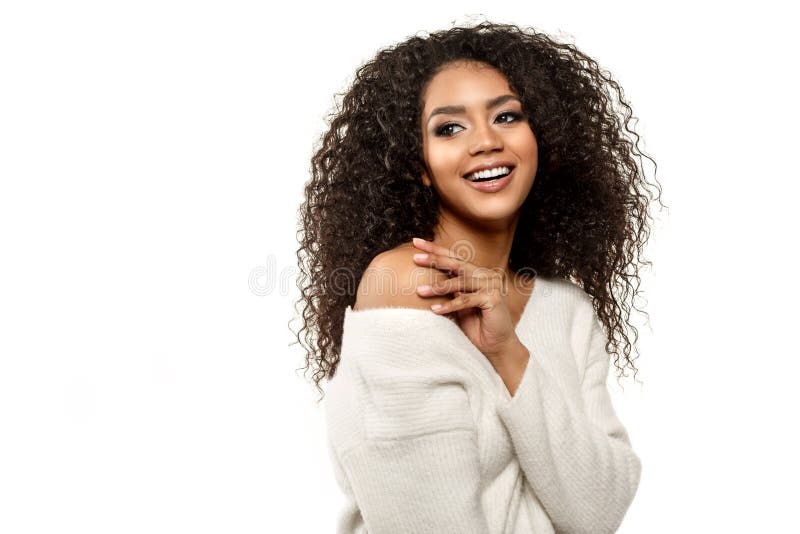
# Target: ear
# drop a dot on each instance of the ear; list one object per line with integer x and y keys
{"x": 425, "y": 178}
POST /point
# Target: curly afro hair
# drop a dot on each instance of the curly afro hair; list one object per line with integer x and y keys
{"x": 585, "y": 219}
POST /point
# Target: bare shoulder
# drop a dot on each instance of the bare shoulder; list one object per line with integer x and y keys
{"x": 391, "y": 280}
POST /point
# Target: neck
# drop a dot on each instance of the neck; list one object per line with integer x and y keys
{"x": 484, "y": 245}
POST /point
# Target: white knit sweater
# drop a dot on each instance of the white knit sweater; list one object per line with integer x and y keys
{"x": 424, "y": 437}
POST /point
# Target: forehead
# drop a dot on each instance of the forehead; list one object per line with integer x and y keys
{"x": 464, "y": 84}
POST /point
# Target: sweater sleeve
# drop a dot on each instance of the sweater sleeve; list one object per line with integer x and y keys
{"x": 404, "y": 434}
{"x": 576, "y": 455}
{"x": 423, "y": 484}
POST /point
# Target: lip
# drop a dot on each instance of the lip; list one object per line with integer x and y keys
{"x": 490, "y": 165}
{"x": 493, "y": 186}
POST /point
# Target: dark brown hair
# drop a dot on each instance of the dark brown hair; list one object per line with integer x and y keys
{"x": 585, "y": 219}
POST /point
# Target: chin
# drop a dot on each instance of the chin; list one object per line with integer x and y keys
{"x": 494, "y": 215}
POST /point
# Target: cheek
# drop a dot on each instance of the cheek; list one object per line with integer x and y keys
{"x": 444, "y": 161}
{"x": 526, "y": 142}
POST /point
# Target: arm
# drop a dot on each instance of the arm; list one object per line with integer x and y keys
{"x": 424, "y": 484}
{"x": 402, "y": 427}
{"x": 575, "y": 452}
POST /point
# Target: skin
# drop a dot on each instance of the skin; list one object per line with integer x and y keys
{"x": 476, "y": 229}
{"x": 491, "y": 329}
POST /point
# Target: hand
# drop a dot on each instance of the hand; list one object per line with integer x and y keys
{"x": 479, "y": 303}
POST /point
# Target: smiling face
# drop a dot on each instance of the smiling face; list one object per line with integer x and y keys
{"x": 460, "y": 133}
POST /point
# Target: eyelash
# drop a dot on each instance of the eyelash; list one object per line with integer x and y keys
{"x": 440, "y": 130}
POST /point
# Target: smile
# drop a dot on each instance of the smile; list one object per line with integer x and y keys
{"x": 493, "y": 184}
{"x": 488, "y": 174}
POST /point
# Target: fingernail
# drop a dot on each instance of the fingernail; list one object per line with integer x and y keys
{"x": 435, "y": 306}
{"x": 420, "y": 256}
{"x": 424, "y": 288}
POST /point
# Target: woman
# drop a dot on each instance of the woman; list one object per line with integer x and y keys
{"x": 466, "y": 369}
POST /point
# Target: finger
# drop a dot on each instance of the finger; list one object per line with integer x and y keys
{"x": 478, "y": 280}
{"x": 433, "y": 248}
{"x": 455, "y": 285}
{"x": 465, "y": 301}
{"x": 430, "y": 246}
{"x": 442, "y": 263}
{"x": 440, "y": 258}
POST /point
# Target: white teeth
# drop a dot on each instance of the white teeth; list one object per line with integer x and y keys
{"x": 489, "y": 173}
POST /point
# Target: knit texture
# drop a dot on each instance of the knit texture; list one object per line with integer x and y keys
{"x": 424, "y": 437}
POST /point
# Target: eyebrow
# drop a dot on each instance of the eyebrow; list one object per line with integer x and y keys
{"x": 496, "y": 101}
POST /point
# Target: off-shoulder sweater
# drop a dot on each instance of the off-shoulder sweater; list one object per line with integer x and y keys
{"x": 424, "y": 436}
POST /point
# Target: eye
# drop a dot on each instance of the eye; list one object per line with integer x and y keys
{"x": 442, "y": 131}
{"x": 514, "y": 116}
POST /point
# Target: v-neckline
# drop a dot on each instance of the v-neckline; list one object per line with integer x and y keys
{"x": 527, "y": 304}
{"x": 526, "y": 309}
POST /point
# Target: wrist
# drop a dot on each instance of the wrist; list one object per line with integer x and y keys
{"x": 510, "y": 364}
{"x": 508, "y": 350}
{"x": 514, "y": 357}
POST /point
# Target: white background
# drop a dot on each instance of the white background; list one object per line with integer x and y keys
{"x": 153, "y": 156}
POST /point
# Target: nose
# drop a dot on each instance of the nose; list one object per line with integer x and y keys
{"x": 484, "y": 138}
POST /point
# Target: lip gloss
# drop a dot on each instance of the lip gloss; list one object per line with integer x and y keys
{"x": 492, "y": 186}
